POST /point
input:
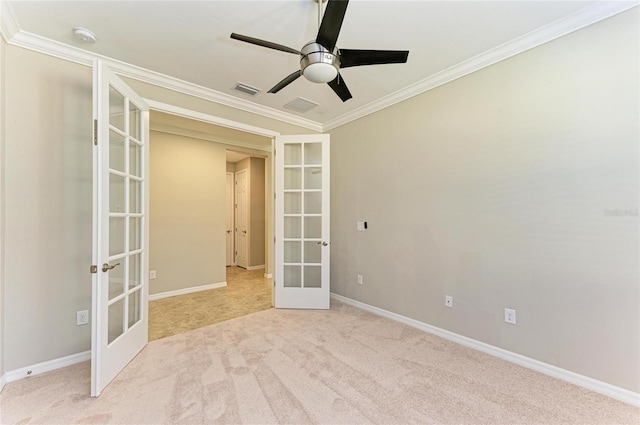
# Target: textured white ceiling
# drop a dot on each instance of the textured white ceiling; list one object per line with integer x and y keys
{"x": 189, "y": 40}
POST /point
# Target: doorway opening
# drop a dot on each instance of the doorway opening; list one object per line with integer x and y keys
{"x": 246, "y": 210}
{"x": 193, "y": 236}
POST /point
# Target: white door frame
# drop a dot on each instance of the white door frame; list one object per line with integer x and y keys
{"x": 235, "y": 125}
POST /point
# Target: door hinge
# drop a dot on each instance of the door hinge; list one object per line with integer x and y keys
{"x": 93, "y": 269}
{"x": 95, "y": 132}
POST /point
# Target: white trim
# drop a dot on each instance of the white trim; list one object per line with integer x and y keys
{"x": 3, "y": 382}
{"x": 561, "y": 27}
{"x": 604, "y": 388}
{"x": 8, "y": 24}
{"x": 256, "y": 267}
{"x": 48, "y": 366}
{"x": 160, "y": 295}
{"x": 53, "y": 48}
{"x": 578, "y": 20}
{"x": 176, "y": 131}
{"x": 211, "y": 119}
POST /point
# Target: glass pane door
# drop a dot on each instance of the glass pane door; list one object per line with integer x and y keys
{"x": 125, "y": 215}
{"x": 120, "y": 224}
{"x": 302, "y": 221}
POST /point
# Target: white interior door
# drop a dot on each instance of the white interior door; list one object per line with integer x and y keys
{"x": 242, "y": 218}
{"x": 302, "y": 222}
{"x": 120, "y": 227}
{"x": 230, "y": 208}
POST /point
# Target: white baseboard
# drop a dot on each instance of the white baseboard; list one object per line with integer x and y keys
{"x": 158, "y": 296}
{"x": 604, "y": 388}
{"x": 256, "y": 267}
{"x": 268, "y": 275}
{"x": 37, "y": 369}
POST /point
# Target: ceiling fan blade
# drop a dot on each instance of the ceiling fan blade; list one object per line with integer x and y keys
{"x": 338, "y": 86}
{"x": 331, "y": 23}
{"x": 263, "y": 43}
{"x": 349, "y": 57}
{"x": 285, "y": 82}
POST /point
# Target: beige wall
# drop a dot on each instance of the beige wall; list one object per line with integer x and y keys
{"x": 257, "y": 226}
{"x": 256, "y": 178}
{"x": 187, "y": 212}
{"x": 500, "y": 202}
{"x": 231, "y": 167}
{"x": 47, "y": 211}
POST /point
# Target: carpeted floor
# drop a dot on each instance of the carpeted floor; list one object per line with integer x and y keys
{"x": 338, "y": 366}
{"x": 247, "y": 291}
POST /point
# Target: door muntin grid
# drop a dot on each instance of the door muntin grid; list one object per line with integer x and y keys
{"x": 302, "y": 221}
{"x": 126, "y": 216}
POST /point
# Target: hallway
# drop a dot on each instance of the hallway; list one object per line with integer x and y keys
{"x": 246, "y": 292}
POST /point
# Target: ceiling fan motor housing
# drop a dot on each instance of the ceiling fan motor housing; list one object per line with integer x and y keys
{"x": 318, "y": 64}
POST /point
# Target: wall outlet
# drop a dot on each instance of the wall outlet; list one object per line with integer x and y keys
{"x": 361, "y": 226}
{"x": 360, "y": 281}
{"x": 448, "y": 301}
{"x": 82, "y": 317}
{"x": 510, "y": 316}
{"x": 152, "y": 274}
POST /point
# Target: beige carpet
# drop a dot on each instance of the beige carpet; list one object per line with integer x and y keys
{"x": 341, "y": 366}
{"x": 247, "y": 291}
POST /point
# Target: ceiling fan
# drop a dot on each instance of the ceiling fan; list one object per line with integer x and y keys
{"x": 321, "y": 60}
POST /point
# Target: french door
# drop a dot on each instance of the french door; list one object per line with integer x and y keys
{"x": 120, "y": 227}
{"x": 302, "y": 222}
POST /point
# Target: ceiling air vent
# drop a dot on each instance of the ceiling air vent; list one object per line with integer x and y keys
{"x": 246, "y": 89}
{"x": 301, "y": 105}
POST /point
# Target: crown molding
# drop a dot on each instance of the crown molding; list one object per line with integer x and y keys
{"x": 561, "y": 27}
{"x": 583, "y": 18}
{"x": 8, "y": 25}
{"x": 14, "y": 36}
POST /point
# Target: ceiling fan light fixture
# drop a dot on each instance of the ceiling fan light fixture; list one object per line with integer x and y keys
{"x": 320, "y": 72}
{"x": 318, "y": 64}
